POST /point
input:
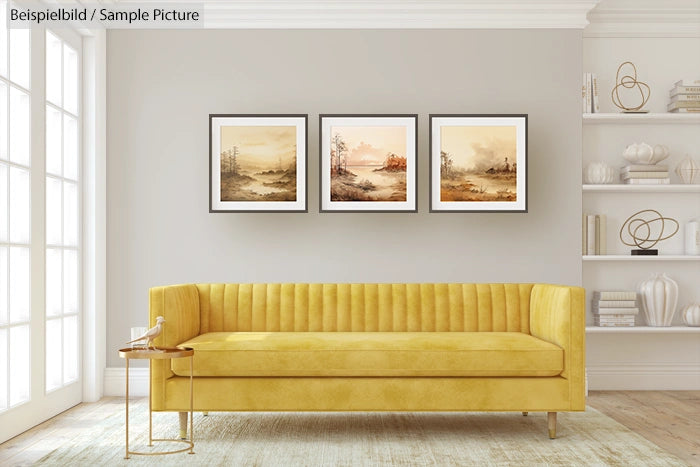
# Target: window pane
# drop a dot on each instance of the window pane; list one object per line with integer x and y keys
{"x": 19, "y": 364}
{"x": 53, "y": 141}
{"x": 3, "y": 38}
{"x": 19, "y": 57}
{"x": 3, "y": 285}
{"x": 53, "y": 69}
{"x": 3, "y": 202}
{"x": 19, "y": 205}
{"x": 54, "y": 212}
{"x": 70, "y": 147}
{"x": 70, "y": 349}
{"x": 4, "y": 109}
{"x": 3, "y": 369}
{"x": 19, "y": 127}
{"x": 53, "y": 354}
{"x": 54, "y": 282}
{"x": 70, "y": 214}
{"x": 70, "y": 80}
{"x": 70, "y": 281}
{"x": 19, "y": 284}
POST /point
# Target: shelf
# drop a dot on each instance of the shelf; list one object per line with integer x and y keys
{"x": 649, "y": 118}
{"x": 643, "y": 330}
{"x": 640, "y": 258}
{"x": 677, "y": 188}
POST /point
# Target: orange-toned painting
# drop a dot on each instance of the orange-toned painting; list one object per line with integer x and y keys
{"x": 368, "y": 163}
{"x": 258, "y": 163}
{"x": 478, "y": 163}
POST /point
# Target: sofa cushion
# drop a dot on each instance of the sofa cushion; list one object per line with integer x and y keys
{"x": 370, "y": 354}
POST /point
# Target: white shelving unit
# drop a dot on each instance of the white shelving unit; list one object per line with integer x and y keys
{"x": 676, "y": 188}
{"x": 642, "y": 357}
{"x": 647, "y": 118}
{"x": 640, "y": 258}
{"x": 643, "y": 330}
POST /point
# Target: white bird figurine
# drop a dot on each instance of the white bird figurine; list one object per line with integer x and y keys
{"x": 152, "y": 333}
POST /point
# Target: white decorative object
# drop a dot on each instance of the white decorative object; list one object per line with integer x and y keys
{"x": 692, "y": 238}
{"x": 659, "y": 296}
{"x": 137, "y": 332}
{"x": 151, "y": 333}
{"x": 598, "y": 173}
{"x": 691, "y": 314}
{"x": 639, "y": 153}
{"x": 688, "y": 170}
{"x": 660, "y": 153}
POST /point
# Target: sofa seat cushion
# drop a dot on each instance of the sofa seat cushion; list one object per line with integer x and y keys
{"x": 370, "y": 354}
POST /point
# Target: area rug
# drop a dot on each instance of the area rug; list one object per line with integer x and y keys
{"x": 360, "y": 439}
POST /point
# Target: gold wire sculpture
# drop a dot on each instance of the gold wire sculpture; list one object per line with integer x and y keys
{"x": 634, "y": 223}
{"x": 629, "y": 81}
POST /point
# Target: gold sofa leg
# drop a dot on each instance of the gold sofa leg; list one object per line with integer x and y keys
{"x": 552, "y": 424}
{"x": 183, "y": 425}
{"x": 206, "y": 414}
{"x": 525, "y": 414}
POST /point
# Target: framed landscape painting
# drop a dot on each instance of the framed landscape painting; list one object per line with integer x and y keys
{"x": 478, "y": 163}
{"x": 257, "y": 163}
{"x": 368, "y": 163}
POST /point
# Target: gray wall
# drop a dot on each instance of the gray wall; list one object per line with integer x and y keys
{"x": 163, "y": 84}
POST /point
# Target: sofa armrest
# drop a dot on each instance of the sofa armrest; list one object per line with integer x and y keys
{"x": 557, "y": 315}
{"x": 179, "y": 305}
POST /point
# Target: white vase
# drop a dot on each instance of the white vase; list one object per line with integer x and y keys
{"x": 659, "y": 296}
{"x": 688, "y": 170}
{"x": 599, "y": 173}
{"x": 691, "y": 314}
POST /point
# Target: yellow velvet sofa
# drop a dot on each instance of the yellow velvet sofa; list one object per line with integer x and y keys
{"x": 372, "y": 347}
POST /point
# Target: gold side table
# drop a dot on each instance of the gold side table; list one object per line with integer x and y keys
{"x": 160, "y": 353}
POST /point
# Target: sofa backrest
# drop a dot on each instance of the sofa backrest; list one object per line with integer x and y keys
{"x": 364, "y": 307}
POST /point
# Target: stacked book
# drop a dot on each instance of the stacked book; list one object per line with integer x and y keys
{"x": 685, "y": 96}
{"x": 589, "y": 93}
{"x": 614, "y": 308}
{"x": 645, "y": 175}
{"x": 595, "y": 234}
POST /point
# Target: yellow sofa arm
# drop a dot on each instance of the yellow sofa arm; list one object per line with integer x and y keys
{"x": 179, "y": 305}
{"x": 557, "y": 315}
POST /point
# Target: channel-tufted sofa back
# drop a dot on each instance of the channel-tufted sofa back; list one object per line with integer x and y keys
{"x": 364, "y": 307}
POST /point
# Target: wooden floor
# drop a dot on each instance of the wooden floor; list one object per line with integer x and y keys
{"x": 670, "y": 419}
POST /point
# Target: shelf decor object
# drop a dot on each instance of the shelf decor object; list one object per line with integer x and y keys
{"x": 646, "y": 231}
{"x": 599, "y": 173}
{"x": 659, "y": 296}
{"x": 257, "y": 163}
{"x": 629, "y": 81}
{"x": 691, "y": 314}
{"x": 692, "y": 238}
{"x": 645, "y": 154}
{"x": 478, "y": 163}
{"x": 688, "y": 170}
{"x": 368, "y": 163}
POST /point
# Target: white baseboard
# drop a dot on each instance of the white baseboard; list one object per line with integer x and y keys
{"x": 644, "y": 376}
{"x": 115, "y": 384}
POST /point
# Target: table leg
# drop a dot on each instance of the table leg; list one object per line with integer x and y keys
{"x": 127, "y": 409}
{"x": 150, "y": 411}
{"x": 191, "y": 405}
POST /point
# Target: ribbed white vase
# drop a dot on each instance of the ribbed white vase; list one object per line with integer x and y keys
{"x": 659, "y": 296}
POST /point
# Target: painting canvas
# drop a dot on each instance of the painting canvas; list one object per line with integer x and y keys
{"x": 368, "y": 163}
{"x": 257, "y": 163}
{"x": 478, "y": 163}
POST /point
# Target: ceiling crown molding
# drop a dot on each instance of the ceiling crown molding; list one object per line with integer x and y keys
{"x": 392, "y": 14}
{"x": 644, "y": 18}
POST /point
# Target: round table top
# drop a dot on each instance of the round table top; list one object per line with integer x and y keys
{"x": 157, "y": 354}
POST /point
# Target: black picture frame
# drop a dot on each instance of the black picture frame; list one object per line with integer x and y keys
{"x": 276, "y": 181}
{"x": 326, "y": 172}
{"x": 463, "y": 194}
